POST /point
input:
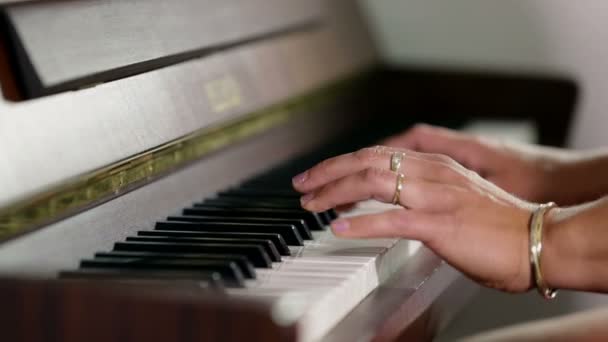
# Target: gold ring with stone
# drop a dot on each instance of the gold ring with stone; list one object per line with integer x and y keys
{"x": 398, "y": 188}
{"x": 396, "y": 158}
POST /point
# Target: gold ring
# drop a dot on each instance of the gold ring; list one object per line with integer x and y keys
{"x": 398, "y": 188}
{"x": 396, "y": 158}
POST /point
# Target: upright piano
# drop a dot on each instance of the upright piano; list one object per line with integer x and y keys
{"x": 147, "y": 148}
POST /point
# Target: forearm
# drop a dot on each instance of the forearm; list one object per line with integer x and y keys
{"x": 575, "y": 247}
{"x": 579, "y": 178}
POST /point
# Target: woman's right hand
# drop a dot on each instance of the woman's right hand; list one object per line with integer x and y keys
{"x": 530, "y": 172}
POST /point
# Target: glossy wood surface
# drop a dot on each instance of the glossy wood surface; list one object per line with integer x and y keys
{"x": 41, "y": 311}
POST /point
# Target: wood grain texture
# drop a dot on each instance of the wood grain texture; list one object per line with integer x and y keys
{"x": 75, "y": 311}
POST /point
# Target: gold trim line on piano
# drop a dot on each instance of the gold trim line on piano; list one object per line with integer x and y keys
{"x": 98, "y": 186}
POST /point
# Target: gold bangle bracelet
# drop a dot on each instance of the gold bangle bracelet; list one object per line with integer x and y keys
{"x": 536, "y": 247}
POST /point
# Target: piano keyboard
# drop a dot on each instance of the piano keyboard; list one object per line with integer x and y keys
{"x": 255, "y": 241}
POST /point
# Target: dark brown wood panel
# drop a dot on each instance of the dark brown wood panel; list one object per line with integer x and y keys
{"x": 73, "y": 311}
{"x": 8, "y": 81}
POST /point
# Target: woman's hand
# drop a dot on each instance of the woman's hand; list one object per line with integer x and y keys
{"x": 474, "y": 225}
{"x": 530, "y": 172}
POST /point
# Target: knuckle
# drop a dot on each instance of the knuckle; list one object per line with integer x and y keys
{"x": 324, "y": 197}
{"x": 368, "y": 154}
{"x": 477, "y": 141}
{"x": 374, "y": 175}
{"x": 322, "y": 168}
{"x": 447, "y": 173}
{"x": 439, "y": 158}
{"x": 471, "y": 175}
{"x": 368, "y": 175}
{"x": 420, "y": 129}
{"x": 447, "y": 160}
{"x": 463, "y": 175}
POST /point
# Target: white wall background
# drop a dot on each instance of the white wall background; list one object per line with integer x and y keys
{"x": 563, "y": 37}
{"x": 542, "y": 36}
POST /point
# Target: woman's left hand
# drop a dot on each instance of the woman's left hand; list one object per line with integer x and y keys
{"x": 475, "y": 226}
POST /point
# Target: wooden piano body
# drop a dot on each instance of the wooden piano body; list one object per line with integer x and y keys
{"x": 116, "y": 114}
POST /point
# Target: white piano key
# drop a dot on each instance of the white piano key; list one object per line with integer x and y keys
{"x": 324, "y": 279}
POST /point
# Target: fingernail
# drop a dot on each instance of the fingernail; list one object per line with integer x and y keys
{"x": 300, "y": 178}
{"x": 340, "y": 225}
{"x": 307, "y": 198}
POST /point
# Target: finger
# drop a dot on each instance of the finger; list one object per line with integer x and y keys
{"x": 465, "y": 148}
{"x": 415, "y": 165}
{"x": 343, "y": 165}
{"x": 381, "y": 185}
{"x": 398, "y": 223}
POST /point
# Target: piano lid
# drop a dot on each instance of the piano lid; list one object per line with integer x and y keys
{"x": 89, "y": 42}
{"x": 74, "y": 149}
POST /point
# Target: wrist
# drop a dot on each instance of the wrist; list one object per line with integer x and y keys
{"x": 563, "y": 259}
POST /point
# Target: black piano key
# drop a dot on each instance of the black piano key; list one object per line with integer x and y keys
{"x": 324, "y": 218}
{"x": 203, "y": 279}
{"x": 267, "y": 202}
{"x": 302, "y": 231}
{"x": 252, "y": 202}
{"x": 261, "y": 192}
{"x": 280, "y": 180}
{"x": 245, "y": 266}
{"x": 288, "y": 232}
{"x": 230, "y": 272}
{"x": 271, "y": 180}
{"x": 276, "y": 239}
{"x": 247, "y": 204}
{"x": 270, "y": 202}
{"x": 254, "y": 253}
{"x": 311, "y": 219}
{"x": 332, "y": 213}
{"x": 277, "y": 181}
{"x": 268, "y": 246}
